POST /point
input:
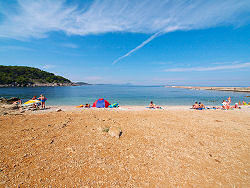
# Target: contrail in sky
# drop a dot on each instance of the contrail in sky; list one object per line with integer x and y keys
{"x": 138, "y": 47}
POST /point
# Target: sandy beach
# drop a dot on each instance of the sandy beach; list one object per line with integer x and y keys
{"x": 157, "y": 148}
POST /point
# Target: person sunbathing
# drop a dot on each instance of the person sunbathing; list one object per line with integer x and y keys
{"x": 225, "y": 105}
{"x": 152, "y": 105}
{"x": 195, "y": 106}
{"x": 201, "y": 106}
{"x": 87, "y": 106}
{"x": 34, "y": 105}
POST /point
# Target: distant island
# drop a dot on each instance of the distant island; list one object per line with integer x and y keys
{"x": 81, "y": 83}
{"x": 235, "y": 89}
{"x": 22, "y": 76}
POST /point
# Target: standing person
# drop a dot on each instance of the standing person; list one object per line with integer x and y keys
{"x": 229, "y": 100}
{"x": 42, "y": 98}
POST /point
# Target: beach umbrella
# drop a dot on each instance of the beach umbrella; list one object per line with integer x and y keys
{"x": 101, "y": 103}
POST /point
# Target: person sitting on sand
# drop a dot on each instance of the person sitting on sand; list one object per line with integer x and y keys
{"x": 42, "y": 99}
{"x": 87, "y": 106}
{"x": 225, "y": 105}
{"x": 34, "y": 98}
{"x": 195, "y": 106}
{"x": 19, "y": 101}
{"x": 201, "y": 106}
{"x": 152, "y": 105}
{"x": 236, "y": 105}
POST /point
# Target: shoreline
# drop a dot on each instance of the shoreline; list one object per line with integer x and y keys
{"x": 132, "y": 108}
{"x": 234, "y": 89}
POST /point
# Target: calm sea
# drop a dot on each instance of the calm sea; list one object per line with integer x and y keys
{"x": 124, "y": 95}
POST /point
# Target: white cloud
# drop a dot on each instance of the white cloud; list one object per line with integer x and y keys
{"x": 35, "y": 19}
{"x": 215, "y": 68}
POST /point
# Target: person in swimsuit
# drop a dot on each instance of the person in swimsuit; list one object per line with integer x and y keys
{"x": 152, "y": 105}
{"x": 195, "y": 106}
{"x": 87, "y": 106}
{"x": 42, "y": 99}
{"x": 224, "y": 105}
{"x": 201, "y": 106}
{"x": 34, "y": 98}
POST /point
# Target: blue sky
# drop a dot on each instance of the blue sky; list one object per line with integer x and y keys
{"x": 174, "y": 42}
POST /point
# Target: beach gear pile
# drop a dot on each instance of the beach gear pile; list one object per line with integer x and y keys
{"x": 115, "y": 105}
{"x": 100, "y": 103}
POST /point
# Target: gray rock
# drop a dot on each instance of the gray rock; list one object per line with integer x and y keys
{"x": 59, "y": 110}
{"x": 115, "y": 132}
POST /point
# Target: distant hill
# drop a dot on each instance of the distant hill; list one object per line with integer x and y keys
{"x": 22, "y": 76}
{"x": 81, "y": 83}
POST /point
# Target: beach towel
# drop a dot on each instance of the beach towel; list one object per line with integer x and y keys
{"x": 115, "y": 105}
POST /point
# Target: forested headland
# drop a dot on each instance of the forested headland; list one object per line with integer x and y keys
{"x": 22, "y": 76}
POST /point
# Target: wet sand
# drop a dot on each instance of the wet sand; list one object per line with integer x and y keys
{"x": 157, "y": 148}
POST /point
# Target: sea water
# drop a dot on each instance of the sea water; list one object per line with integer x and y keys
{"x": 123, "y": 94}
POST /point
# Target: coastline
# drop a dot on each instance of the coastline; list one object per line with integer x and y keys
{"x": 39, "y": 85}
{"x": 234, "y": 89}
{"x": 132, "y": 108}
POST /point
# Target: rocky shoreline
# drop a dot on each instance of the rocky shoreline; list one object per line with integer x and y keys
{"x": 39, "y": 85}
{"x": 234, "y": 89}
